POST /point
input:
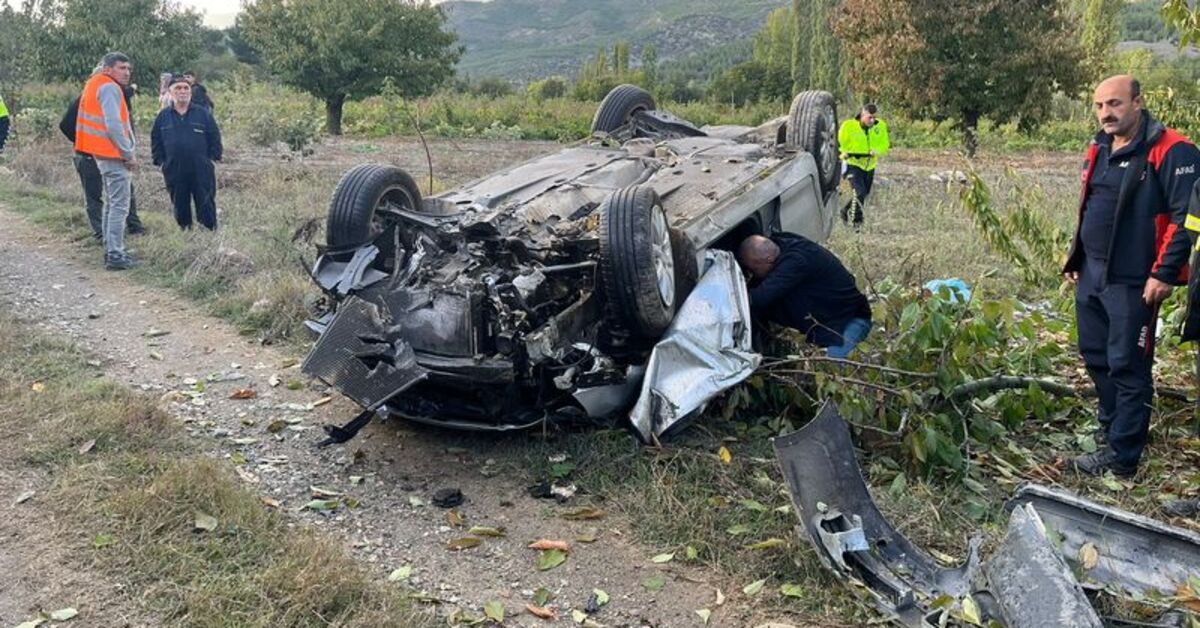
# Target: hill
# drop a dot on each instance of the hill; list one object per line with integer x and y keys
{"x": 530, "y": 39}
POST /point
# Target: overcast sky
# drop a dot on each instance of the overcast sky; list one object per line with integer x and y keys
{"x": 220, "y": 13}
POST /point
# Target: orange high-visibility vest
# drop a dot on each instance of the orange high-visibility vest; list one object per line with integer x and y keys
{"x": 91, "y": 135}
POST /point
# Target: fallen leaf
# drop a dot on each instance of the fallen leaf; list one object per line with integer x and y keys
{"x": 154, "y": 355}
{"x": 540, "y": 611}
{"x": 971, "y": 611}
{"x": 415, "y": 502}
{"x": 494, "y": 610}
{"x": 319, "y": 493}
{"x": 549, "y": 559}
{"x": 601, "y": 596}
{"x": 751, "y": 504}
{"x": 350, "y": 502}
{"x": 691, "y": 553}
{"x": 720, "y": 598}
{"x": 767, "y": 544}
{"x": 355, "y": 480}
{"x": 546, "y": 544}
{"x": 270, "y": 502}
{"x": 754, "y": 587}
{"x": 244, "y": 441}
{"x": 322, "y": 401}
{"x": 155, "y": 333}
{"x": 237, "y": 458}
{"x": 37, "y": 387}
{"x": 455, "y": 518}
{"x": 244, "y": 393}
{"x": 245, "y": 475}
{"x": 102, "y": 541}
{"x": 486, "y": 531}
{"x": 24, "y": 497}
{"x": 578, "y": 616}
{"x": 724, "y": 454}
{"x": 88, "y": 446}
{"x": 705, "y": 615}
{"x": 205, "y": 522}
{"x": 791, "y": 590}
{"x": 33, "y": 623}
{"x": 655, "y": 582}
{"x": 663, "y": 558}
{"x": 588, "y": 536}
{"x": 295, "y": 384}
{"x": 1111, "y": 483}
{"x": 288, "y": 363}
{"x": 463, "y": 543}
{"x": 542, "y": 596}
{"x": 739, "y": 529}
{"x": 583, "y": 514}
{"x": 400, "y": 574}
{"x": 322, "y": 504}
{"x": 1089, "y": 556}
{"x": 277, "y": 426}
{"x": 63, "y": 614}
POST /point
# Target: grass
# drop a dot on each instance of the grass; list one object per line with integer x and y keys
{"x": 131, "y": 502}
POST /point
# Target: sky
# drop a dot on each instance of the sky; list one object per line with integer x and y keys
{"x": 219, "y": 13}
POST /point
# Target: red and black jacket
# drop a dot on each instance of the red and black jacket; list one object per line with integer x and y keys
{"x": 1148, "y": 236}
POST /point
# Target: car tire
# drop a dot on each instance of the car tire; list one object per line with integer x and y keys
{"x": 619, "y": 105}
{"x": 812, "y": 127}
{"x": 354, "y": 218}
{"x": 637, "y": 264}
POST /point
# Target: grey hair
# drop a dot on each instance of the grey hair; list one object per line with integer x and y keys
{"x": 113, "y": 58}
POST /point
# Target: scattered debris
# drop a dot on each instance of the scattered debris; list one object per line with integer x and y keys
{"x": 448, "y": 498}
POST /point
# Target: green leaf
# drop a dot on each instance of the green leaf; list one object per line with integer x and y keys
{"x": 401, "y": 574}
{"x": 751, "y": 504}
{"x": 486, "y": 531}
{"x": 550, "y": 559}
{"x": 494, "y": 610}
{"x": 542, "y": 597}
{"x": 322, "y": 504}
{"x": 663, "y": 558}
{"x": 791, "y": 590}
{"x": 102, "y": 541}
{"x": 561, "y": 469}
{"x": 753, "y": 588}
{"x": 578, "y": 616}
{"x": 971, "y": 611}
{"x": 705, "y": 615}
{"x": 899, "y": 485}
{"x": 1111, "y": 483}
{"x": 63, "y": 614}
{"x": 655, "y": 582}
{"x": 204, "y": 522}
{"x": 739, "y": 529}
{"x": 770, "y": 543}
{"x": 691, "y": 553}
{"x": 601, "y": 597}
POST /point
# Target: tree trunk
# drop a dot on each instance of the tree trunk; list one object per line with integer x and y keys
{"x": 970, "y": 124}
{"x": 333, "y": 114}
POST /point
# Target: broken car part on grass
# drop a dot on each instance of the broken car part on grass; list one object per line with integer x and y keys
{"x": 535, "y": 295}
{"x": 1029, "y": 582}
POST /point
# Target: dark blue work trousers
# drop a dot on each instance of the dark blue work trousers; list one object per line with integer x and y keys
{"x": 197, "y": 183}
{"x": 1116, "y": 339}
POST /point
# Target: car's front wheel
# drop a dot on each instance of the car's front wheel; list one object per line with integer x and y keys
{"x": 619, "y": 106}
{"x": 637, "y": 262}
{"x": 363, "y": 203}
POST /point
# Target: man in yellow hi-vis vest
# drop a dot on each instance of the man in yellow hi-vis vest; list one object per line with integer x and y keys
{"x": 4, "y": 122}
{"x": 862, "y": 141}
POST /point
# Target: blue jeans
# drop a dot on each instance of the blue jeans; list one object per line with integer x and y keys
{"x": 855, "y": 332}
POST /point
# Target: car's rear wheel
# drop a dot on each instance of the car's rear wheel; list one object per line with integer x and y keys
{"x": 621, "y": 103}
{"x": 637, "y": 262}
{"x": 363, "y": 203}
{"x": 812, "y": 127}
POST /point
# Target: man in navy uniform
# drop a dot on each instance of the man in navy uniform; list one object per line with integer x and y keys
{"x": 185, "y": 142}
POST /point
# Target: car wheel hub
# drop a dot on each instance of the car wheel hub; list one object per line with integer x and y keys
{"x": 664, "y": 262}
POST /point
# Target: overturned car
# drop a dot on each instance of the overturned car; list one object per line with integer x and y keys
{"x": 534, "y": 294}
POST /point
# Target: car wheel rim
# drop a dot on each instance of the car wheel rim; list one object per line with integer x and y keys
{"x": 664, "y": 262}
{"x": 828, "y": 154}
{"x": 393, "y": 198}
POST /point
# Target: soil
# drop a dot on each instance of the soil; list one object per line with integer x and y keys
{"x": 164, "y": 346}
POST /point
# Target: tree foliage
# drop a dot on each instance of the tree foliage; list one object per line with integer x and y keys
{"x": 1183, "y": 16}
{"x": 801, "y": 64}
{"x": 345, "y": 49}
{"x": 70, "y": 36}
{"x": 1099, "y": 36}
{"x": 962, "y": 59}
{"x": 824, "y": 51}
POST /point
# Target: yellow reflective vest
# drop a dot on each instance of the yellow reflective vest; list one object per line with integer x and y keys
{"x": 857, "y": 144}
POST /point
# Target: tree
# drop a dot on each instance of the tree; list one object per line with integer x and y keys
{"x": 801, "y": 64}
{"x": 962, "y": 59}
{"x": 72, "y": 35}
{"x": 773, "y": 44}
{"x": 1099, "y": 36}
{"x": 650, "y": 66}
{"x": 823, "y": 49}
{"x": 345, "y": 49}
{"x": 16, "y": 43}
{"x": 1183, "y": 16}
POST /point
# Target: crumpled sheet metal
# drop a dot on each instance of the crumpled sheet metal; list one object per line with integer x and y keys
{"x": 1137, "y": 555}
{"x": 705, "y": 351}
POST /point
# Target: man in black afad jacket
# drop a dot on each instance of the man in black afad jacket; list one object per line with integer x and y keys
{"x": 799, "y": 284}
{"x": 185, "y": 142}
{"x": 1130, "y": 250}
{"x": 89, "y": 176}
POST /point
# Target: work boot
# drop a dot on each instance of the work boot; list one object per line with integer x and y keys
{"x": 1099, "y": 462}
{"x": 116, "y": 261}
{"x": 1183, "y": 507}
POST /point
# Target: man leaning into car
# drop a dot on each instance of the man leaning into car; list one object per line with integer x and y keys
{"x": 797, "y": 283}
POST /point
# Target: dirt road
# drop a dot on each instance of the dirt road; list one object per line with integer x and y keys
{"x": 194, "y": 363}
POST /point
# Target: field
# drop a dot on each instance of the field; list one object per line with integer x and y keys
{"x": 938, "y": 481}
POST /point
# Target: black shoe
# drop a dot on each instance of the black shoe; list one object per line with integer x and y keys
{"x": 1183, "y": 507}
{"x": 118, "y": 262}
{"x": 1099, "y": 462}
{"x": 137, "y": 232}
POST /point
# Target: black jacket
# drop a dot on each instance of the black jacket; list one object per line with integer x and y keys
{"x": 183, "y": 143}
{"x": 1148, "y": 236}
{"x": 808, "y": 290}
{"x": 200, "y": 97}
